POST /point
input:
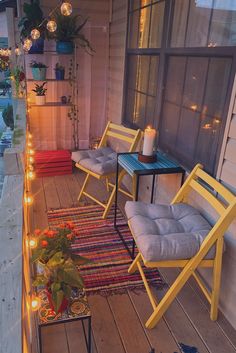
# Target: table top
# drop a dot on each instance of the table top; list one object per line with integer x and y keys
{"x": 163, "y": 165}
{"x": 78, "y": 308}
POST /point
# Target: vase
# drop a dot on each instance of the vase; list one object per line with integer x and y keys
{"x": 60, "y": 74}
{"x": 64, "y": 303}
{"x": 40, "y": 100}
{"x": 39, "y": 73}
{"x": 37, "y": 46}
{"x": 64, "y": 47}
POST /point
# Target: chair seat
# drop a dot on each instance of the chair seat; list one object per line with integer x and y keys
{"x": 163, "y": 232}
{"x": 101, "y": 161}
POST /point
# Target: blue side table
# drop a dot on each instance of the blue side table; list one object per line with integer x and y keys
{"x": 130, "y": 163}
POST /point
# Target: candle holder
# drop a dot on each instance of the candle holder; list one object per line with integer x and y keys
{"x": 147, "y": 159}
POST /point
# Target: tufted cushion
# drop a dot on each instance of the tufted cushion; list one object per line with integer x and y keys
{"x": 101, "y": 161}
{"x": 162, "y": 232}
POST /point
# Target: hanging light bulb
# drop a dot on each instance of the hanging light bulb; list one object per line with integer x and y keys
{"x": 27, "y": 44}
{"x": 35, "y": 303}
{"x": 66, "y": 9}
{"x": 30, "y": 175}
{"x": 31, "y": 159}
{"x": 31, "y": 152}
{"x": 33, "y": 243}
{"x": 17, "y": 51}
{"x": 35, "y": 34}
{"x": 28, "y": 199}
{"x": 51, "y": 26}
{"x": 30, "y": 135}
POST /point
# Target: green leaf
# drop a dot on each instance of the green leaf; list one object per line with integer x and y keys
{"x": 56, "y": 260}
{"x": 40, "y": 281}
{"x": 80, "y": 260}
{"x": 57, "y": 297}
{"x": 72, "y": 277}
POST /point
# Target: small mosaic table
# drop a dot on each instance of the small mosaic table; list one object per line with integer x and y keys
{"x": 78, "y": 310}
{"x": 130, "y": 163}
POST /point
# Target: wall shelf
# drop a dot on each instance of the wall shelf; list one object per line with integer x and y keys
{"x": 51, "y": 104}
{"x": 48, "y": 80}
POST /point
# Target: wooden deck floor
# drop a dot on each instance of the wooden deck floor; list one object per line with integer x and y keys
{"x": 118, "y": 320}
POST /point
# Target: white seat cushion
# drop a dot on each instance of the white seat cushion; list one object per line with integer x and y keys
{"x": 101, "y": 161}
{"x": 162, "y": 232}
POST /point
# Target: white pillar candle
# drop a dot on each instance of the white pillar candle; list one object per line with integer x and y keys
{"x": 148, "y": 141}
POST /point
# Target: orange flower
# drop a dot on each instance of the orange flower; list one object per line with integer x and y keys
{"x": 69, "y": 236}
{"x": 70, "y": 225}
{"x": 62, "y": 225}
{"x": 51, "y": 233}
{"x": 46, "y": 231}
{"x": 44, "y": 243}
{"x": 37, "y": 231}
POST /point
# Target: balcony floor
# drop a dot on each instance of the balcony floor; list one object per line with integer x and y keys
{"x": 118, "y": 320}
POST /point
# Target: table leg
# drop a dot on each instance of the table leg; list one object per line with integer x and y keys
{"x": 116, "y": 194}
{"x": 40, "y": 339}
{"x": 89, "y": 335}
{"x": 137, "y": 187}
{"x": 182, "y": 178}
{"x": 153, "y": 184}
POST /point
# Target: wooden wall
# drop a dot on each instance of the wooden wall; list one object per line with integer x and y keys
{"x": 116, "y": 59}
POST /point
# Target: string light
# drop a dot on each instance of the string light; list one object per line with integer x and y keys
{"x": 66, "y": 9}
{"x": 27, "y": 44}
{"x": 33, "y": 243}
{"x": 31, "y": 159}
{"x": 35, "y": 34}
{"x": 30, "y": 175}
{"x": 35, "y": 303}
{"x": 28, "y": 199}
{"x": 51, "y": 26}
{"x": 30, "y": 135}
{"x": 31, "y": 152}
{"x": 17, "y": 51}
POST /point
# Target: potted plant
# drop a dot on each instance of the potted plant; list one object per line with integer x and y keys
{"x": 40, "y": 93}
{"x": 58, "y": 273}
{"x": 68, "y": 30}
{"x": 39, "y": 70}
{"x": 32, "y": 19}
{"x": 59, "y": 72}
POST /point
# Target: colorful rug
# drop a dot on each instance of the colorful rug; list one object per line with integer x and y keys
{"x": 99, "y": 241}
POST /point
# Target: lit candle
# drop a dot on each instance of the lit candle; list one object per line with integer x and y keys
{"x": 148, "y": 141}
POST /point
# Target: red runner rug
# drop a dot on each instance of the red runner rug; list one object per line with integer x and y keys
{"x": 99, "y": 241}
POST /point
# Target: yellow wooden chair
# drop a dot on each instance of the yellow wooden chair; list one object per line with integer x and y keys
{"x": 190, "y": 251}
{"x": 101, "y": 163}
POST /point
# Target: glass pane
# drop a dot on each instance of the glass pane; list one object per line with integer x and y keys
{"x": 179, "y": 23}
{"x": 195, "y": 83}
{"x": 140, "y": 108}
{"x": 198, "y": 25}
{"x": 132, "y": 71}
{"x": 142, "y": 74}
{"x": 150, "y": 111}
{"x": 170, "y": 122}
{"x": 175, "y": 79}
{"x": 134, "y": 4}
{"x": 217, "y": 84}
{"x": 129, "y": 111}
{"x": 152, "y": 84}
{"x": 144, "y": 23}
{"x": 157, "y": 18}
{"x": 133, "y": 29}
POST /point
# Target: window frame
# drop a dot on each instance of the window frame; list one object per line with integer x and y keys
{"x": 166, "y": 51}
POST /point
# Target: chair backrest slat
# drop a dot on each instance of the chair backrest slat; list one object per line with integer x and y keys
{"x": 120, "y": 137}
{"x": 122, "y": 128}
{"x": 218, "y": 206}
{"x": 225, "y": 193}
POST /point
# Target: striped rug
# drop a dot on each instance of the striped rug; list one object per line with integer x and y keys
{"x": 99, "y": 241}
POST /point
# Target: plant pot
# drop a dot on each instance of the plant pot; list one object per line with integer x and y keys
{"x": 63, "y": 305}
{"x": 60, "y": 74}
{"x": 64, "y": 47}
{"x": 37, "y": 46}
{"x": 40, "y": 100}
{"x": 39, "y": 73}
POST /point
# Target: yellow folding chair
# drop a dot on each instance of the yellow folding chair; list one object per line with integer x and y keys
{"x": 101, "y": 163}
{"x": 178, "y": 236}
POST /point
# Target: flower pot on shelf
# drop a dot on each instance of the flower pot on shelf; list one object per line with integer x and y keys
{"x": 40, "y": 100}
{"x": 65, "y": 47}
{"x": 39, "y": 73}
{"x": 60, "y": 74}
{"x": 37, "y": 46}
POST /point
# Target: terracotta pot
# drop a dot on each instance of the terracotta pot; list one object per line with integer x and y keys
{"x": 64, "y": 303}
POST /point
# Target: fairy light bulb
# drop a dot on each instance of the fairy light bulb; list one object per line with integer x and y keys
{"x": 35, "y": 303}
{"x": 31, "y": 152}
{"x": 66, "y": 9}
{"x": 51, "y": 26}
{"x": 27, "y": 44}
{"x": 30, "y": 175}
{"x": 33, "y": 243}
{"x": 29, "y": 144}
{"x": 17, "y": 51}
{"x": 30, "y": 135}
{"x": 35, "y": 34}
{"x": 28, "y": 199}
{"x": 31, "y": 159}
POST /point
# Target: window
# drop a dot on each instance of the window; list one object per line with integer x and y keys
{"x": 179, "y": 62}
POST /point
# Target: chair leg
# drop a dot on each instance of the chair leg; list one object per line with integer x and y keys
{"x": 133, "y": 267}
{"x": 112, "y": 196}
{"x": 83, "y": 187}
{"x": 216, "y": 279}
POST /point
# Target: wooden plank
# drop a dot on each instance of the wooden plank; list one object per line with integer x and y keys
{"x": 232, "y": 130}
{"x": 50, "y": 190}
{"x": 104, "y": 327}
{"x": 210, "y": 332}
{"x": 230, "y": 150}
{"x": 128, "y": 324}
{"x": 160, "y": 337}
{"x": 74, "y": 188}
{"x": 228, "y": 173}
{"x": 63, "y": 192}
{"x": 39, "y": 204}
{"x": 75, "y": 337}
{"x": 54, "y": 339}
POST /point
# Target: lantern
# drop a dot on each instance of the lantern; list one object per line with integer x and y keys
{"x": 66, "y": 9}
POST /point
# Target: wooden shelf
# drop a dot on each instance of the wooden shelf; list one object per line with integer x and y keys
{"x": 52, "y": 104}
{"x": 48, "y": 80}
{"x": 52, "y": 52}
